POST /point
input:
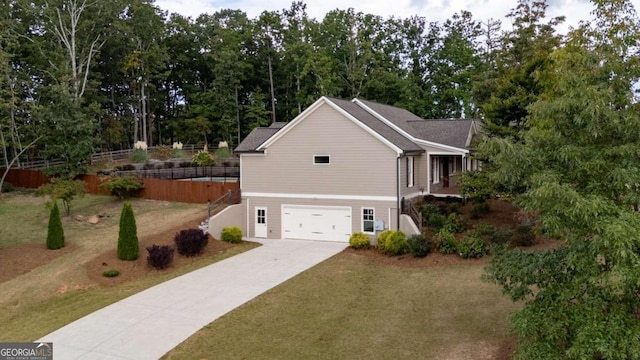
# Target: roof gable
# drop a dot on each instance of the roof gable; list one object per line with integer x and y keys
{"x": 397, "y": 128}
{"x": 347, "y": 114}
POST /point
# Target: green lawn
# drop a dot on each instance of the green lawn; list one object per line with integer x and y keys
{"x": 24, "y": 216}
{"x": 353, "y": 307}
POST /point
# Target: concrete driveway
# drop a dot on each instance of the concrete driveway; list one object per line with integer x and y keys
{"x": 149, "y": 324}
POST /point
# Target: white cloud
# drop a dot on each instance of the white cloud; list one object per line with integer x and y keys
{"x": 432, "y": 10}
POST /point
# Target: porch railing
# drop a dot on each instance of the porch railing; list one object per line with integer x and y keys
{"x": 414, "y": 213}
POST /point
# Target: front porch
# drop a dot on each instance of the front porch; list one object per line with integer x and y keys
{"x": 444, "y": 172}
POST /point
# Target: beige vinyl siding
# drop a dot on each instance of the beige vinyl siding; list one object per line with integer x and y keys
{"x": 383, "y": 210}
{"x": 360, "y": 163}
{"x": 419, "y": 176}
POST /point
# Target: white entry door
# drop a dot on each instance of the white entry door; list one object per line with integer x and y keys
{"x": 261, "y": 222}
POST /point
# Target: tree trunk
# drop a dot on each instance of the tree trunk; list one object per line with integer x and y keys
{"x": 273, "y": 98}
{"x": 143, "y": 114}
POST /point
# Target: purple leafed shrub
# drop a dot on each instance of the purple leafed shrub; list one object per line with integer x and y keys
{"x": 191, "y": 242}
{"x": 160, "y": 256}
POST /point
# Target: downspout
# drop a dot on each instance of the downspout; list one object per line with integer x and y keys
{"x": 398, "y": 192}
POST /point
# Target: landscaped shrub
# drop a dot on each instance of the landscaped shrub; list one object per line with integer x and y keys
{"x": 55, "y": 233}
{"x": 471, "y": 246}
{"x": 185, "y": 164}
{"x": 203, "y": 158}
{"x": 396, "y": 244}
{"x": 480, "y": 209}
{"x": 149, "y": 166}
{"x": 191, "y": 242}
{"x": 382, "y": 239}
{"x": 128, "y": 234}
{"x": 455, "y": 223}
{"x": 524, "y": 235}
{"x": 419, "y": 245}
{"x": 162, "y": 152}
{"x": 223, "y": 152}
{"x": 431, "y": 216}
{"x": 445, "y": 242}
{"x": 6, "y": 187}
{"x": 139, "y": 156}
{"x": 359, "y": 240}
{"x": 169, "y": 164}
{"x": 111, "y": 273}
{"x": 494, "y": 235}
{"x": 160, "y": 256}
{"x": 453, "y": 208}
{"x": 122, "y": 187}
{"x": 231, "y": 234}
{"x": 65, "y": 190}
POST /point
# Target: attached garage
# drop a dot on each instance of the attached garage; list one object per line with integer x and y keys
{"x": 326, "y": 223}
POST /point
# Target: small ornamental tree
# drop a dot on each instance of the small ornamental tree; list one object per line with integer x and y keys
{"x": 55, "y": 233}
{"x": 128, "y": 235}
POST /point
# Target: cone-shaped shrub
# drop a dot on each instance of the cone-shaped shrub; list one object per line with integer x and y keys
{"x": 55, "y": 233}
{"x": 128, "y": 235}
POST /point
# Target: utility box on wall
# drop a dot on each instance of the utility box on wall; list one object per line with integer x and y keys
{"x": 378, "y": 225}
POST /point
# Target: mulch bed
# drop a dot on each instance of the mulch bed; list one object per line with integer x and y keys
{"x": 432, "y": 260}
{"x": 132, "y": 270}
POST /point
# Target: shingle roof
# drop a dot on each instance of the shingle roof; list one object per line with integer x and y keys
{"x": 255, "y": 138}
{"x": 451, "y": 132}
{"x": 377, "y": 125}
{"x": 278, "y": 125}
{"x": 397, "y": 116}
{"x": 447, "y": 132}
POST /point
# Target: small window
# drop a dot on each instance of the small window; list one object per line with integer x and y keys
{"x": 368, "y": 214}
{"x": 322, "y": 159}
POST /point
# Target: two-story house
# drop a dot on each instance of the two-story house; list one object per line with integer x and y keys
{"x": 345, "y": 166}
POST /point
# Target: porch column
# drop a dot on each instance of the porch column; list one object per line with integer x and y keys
{"x": 429, "y": 174}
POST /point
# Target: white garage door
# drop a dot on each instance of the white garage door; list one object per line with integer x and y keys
{"x": 316, "y": 223}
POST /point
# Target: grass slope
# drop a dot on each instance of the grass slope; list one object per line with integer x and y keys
{"x": 28, "y": 322}
{"x": 352, "y": 307}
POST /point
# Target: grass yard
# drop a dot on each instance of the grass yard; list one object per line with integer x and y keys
{"x": 357, "y": 307}
{"x": 51, "y": 288}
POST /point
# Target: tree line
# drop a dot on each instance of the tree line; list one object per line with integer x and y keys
{"x": 87, "y": 75}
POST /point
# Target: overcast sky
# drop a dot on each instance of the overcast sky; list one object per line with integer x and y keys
{"x": 432, "y": 10}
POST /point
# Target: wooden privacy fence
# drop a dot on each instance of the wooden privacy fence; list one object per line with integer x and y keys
{"x": 197, "y": 192}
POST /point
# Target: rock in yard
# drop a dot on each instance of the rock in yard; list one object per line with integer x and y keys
{"x": 93, "y": 219}
{"x": 79, "y": 218}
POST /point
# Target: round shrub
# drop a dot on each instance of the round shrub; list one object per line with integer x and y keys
{"x": 159, "y": 256}
{"x": 396, "y": 244}
{"x": 191, "y": 242}
{"x": 419, "y": 245}
{"x": 471, "y": 246}
{"x": 231, "y": 234}
{"x": 455, "y": 223}
{"x": 445, "y": 242}
{"x": 139, "y": 156}
{"x": 479, "y": 210}
{"x": 382, "y": 239}
{"x": 55, "y": 232}
{"x": 111, "y": 273}
{"x": 359, "y": 240}
{"x": 203, "y": 158}
{"x": 524, "y": 235}
{"x": 128, "y": 234}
